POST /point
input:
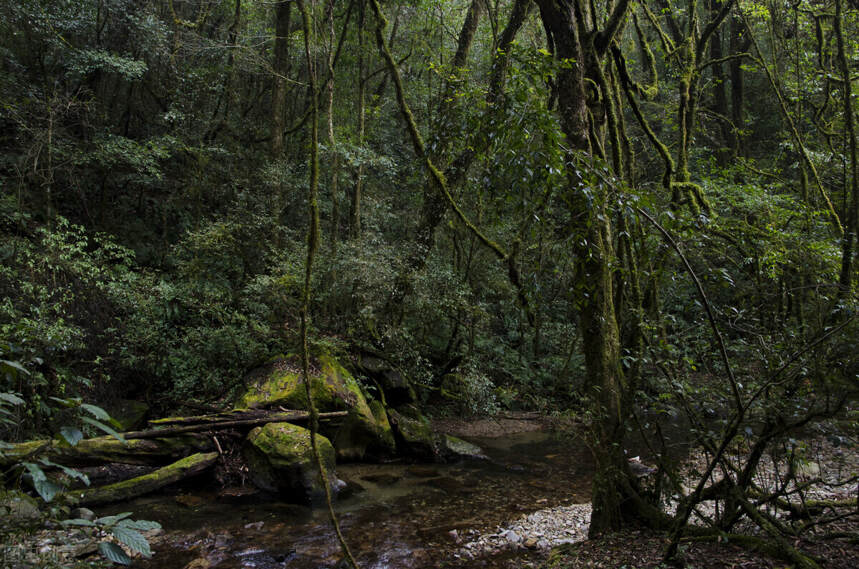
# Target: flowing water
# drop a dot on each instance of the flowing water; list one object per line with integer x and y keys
{"x": 402, "y": 515}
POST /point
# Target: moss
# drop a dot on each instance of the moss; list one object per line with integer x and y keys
{"x": 333, "y": 389}
{"x": 281, "y": 460}
{"x": 280, "y": 384}
{"x": 140, "y": 485}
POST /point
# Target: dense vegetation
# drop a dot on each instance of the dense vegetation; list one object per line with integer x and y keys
{"x": 626, "y": 209}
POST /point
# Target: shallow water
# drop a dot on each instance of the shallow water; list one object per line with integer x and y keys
{"x": 401, "y": 518}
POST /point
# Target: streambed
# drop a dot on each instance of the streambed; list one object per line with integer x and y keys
{"x": 404, "y": 515}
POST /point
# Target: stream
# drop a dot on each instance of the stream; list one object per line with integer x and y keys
{"x": 402, "y": 515}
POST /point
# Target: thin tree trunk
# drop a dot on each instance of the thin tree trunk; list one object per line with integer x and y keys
{"x": 848, "y": 240}
{"x": 355, "y": 202}
{"x": 283, "y": 16}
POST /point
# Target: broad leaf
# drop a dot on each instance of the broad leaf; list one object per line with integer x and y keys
{"x": 11, "y": 398}
{"x": 13, "y": 366}
{"x": 72, "y": 435}
{"x": 114, "y": 553}
{"x": 103, "y": 427}
{"x": 96, "y": 412}
{"x": 110, "y": 520}
{"x": 131, "y": 538}
{"x": 78, "y": 522}
{"x": 77, "y": 474}
{"x": 142, "y": 525}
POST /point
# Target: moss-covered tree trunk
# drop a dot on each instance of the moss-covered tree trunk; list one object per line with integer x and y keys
{"x": 565, "y": 22}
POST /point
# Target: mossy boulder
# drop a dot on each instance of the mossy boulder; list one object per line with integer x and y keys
{"x": 415, "y": 437}
{"x": 281, "y": 461}
{"x": 414, "y": 434}
{"x": 279, "y": 384}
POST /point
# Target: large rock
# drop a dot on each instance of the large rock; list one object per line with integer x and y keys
{"x": 395, "y": 385}
{"x": 415, "y": 437}
{"x": 279, "y": 384}
{"x": 281, "y": 461}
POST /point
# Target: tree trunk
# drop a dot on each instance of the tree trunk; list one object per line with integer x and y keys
{"x": 283, "y": 15}
{"x": 134, "y": 487}
{"x": 355, "y": 202}
{"x": 565, "y": 22}
{"x": 851, "y": 222}
{"x": 739, "y": 43}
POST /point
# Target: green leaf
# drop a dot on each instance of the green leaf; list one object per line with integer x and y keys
{"x": 96, "y": 412}
{"x": 103, "y": 427}
{"x": 15, "y": 366}
{"x": 69, "y": 471}
{"x": 72, "y": 435}
{"x": 11, "y": 398}
{"x": 47, "y": 489}
{"x": 142, "y": 525}
{"x": 114, "y": 553}
{"x": 78, "y": 522}
{"x": 131, "y": 538}
{"x": 68, "y": 403}
{"x": 110, "y": 520}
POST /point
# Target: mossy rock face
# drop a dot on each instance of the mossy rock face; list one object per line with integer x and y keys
{"x": 359, "y": 438}
{"x": 333, "y": 388}
{"x": 281, "y": 461}
{"x": 415, "y": 436}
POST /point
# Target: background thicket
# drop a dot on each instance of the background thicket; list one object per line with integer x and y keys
{"x": 153, "y": 162}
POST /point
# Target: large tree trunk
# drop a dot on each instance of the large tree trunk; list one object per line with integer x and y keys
{"x": 565, "y": 22}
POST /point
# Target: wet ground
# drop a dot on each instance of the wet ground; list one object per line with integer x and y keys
{"x": 404, "y": 515}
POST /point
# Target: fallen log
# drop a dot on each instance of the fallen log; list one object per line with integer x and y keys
{"x": 152, "y": 446}
{"x": 134, "y": 487}
{"x": 101, "y": 450}
{"x": 227, "y": 421}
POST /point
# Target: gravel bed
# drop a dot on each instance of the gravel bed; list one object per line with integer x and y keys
{"x": 542, "y": 529}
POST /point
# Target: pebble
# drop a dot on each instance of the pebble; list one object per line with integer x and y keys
{"x": 542, "y": 529}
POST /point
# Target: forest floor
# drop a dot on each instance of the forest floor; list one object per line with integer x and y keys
{"x": 513, "y": 545}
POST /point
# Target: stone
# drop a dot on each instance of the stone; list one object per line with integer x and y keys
{"x": 82, "y": 514}
{"x": 365, "y": 431}
{"x": 18, "y": 509}
{"x": 395, "y": 385}
{"x": 459, "y": 448}
{"x": 415, "y": 436}
{"x": 189, "y": 501}
{"x": 281, "y": 461}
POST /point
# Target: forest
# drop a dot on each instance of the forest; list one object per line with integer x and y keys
{"x": 300, "y": 252}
